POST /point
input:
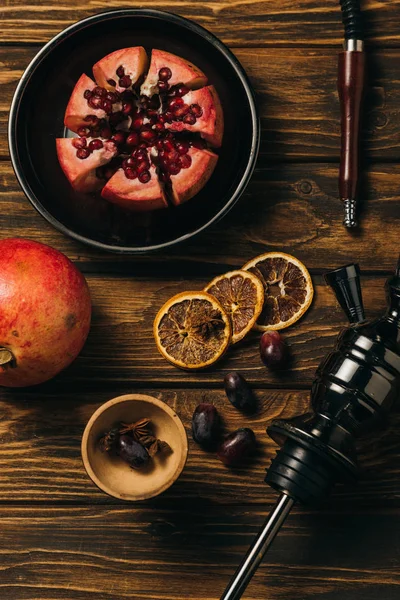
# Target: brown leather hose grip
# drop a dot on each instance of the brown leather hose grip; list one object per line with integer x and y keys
{"x": 350, "y": 86}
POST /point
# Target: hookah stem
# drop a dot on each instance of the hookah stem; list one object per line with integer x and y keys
{"x": 351, "y": 75}
{"x": 255, "y": 554}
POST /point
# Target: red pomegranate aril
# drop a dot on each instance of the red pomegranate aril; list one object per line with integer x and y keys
{"x": 95, "y": 145}
{"x": 175, "y": 102}
{"x": 125, "y": 81}
{"x": 141, "y": 155}
{"x": 130, "y": 173}
{"x": 83, "y": 153}
{"x": 107, "y": 106}
{"x": 130, "y": 161}
{"x": 182, "y": 147}
{"x": 181, "y": 90}
{"x": 112, "y": 97}
{"x": 181, "y": 111}
{"x": 132, "y": 139}
{"x": 120, "y": 71}
{"x": 163, "y": 86}
{"x": 99, "y": 91}
{"x": 83, "y": 131}
{"x": 164, "y": 177}
{"x": 91, "y": 119}
{"x": 118, "y": 137}
{"x": 168, "y": 116}
{"x": 158, "y": 127}
{"x": 196, "y": 110}
{"x": 141, "y": 166}
{"x": 148, "y": 135}
{"x": 87, "y": 94}
{"x": 189, "y": 119}
{"x": 105, "y": 132}
{"x": 159, "y": 144}
{"x": 137, "y": 122}
{"x": 79, "y": 142}
{"x": 168, "y": 146}
{"x": 95, "y": 102}
{"x": 185, "y": 161}
{"x": 144, "y": 177}
{"x": 173, "y": 168}
{"x": 112, "y": 82}
{"x": 165, "y": 74}
{"x": 127, "y": 108}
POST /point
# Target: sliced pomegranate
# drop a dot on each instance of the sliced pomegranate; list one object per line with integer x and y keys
{"x": 80, "y": 163}
{"x": 182, "y": 71}
{"x": 78, "y": 107}
{"x": 117, "y": 67}
{"x": 204, "y": 115}
{"x": 192, "y": 177}
{"x": 136, "y": 191}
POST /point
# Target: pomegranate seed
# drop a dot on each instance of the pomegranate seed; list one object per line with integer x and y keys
{"x": 182, "y": 147}
{"x": 165, "y": 74}
{"x": 185, "y": 161}
{"x": 91, "y": 119}
{"x": 112, "y": 82}
{"x": 181, "y": 111}
{"x": 130, "y": 173}
{"x": 158, "y": 126}
{"x": 127, "y": 108}
{"x": 112, "y": 97}
{"x": 196, "y": 110}
{"x": 144, "y": 177}
{"x": 189, "y": 119}
{"x": 132, "y": 139}
{"x": 142, "y": 165}
{"x": 79, "y": 142}
{"x": 95, "y": 102}
{"x": 200, "y": 144}
{"x": 164, "y": 177}
{"x": 141, "y": 155}
{"x": 159, "y": 144}
{"x": 173, "y": 156}
{"x": 83, "y": 131}
{"x": 130, "y": 161}
{"x": 120, "y": 71}
{"x": 137, "y": 122}
{"x": 105, "y": 133}
{"x": 168, "y": 116}
{"x": 168, "y": 146}
{"x": 173, "y": 168}
{"x": 181, "y": 90}
{"x": 175, "y": 102}
{"x": 144, "y": 145}
{"x": 148, "y": 136}
{"x": 163, "y": 86}
{"x": 87, "y": 94}
{"x": 99, "y": 91}
{"x": 125, "y": 81}
{"x": 95, "y": 145}
{"x": 82, "y": 153}
{"x": 107, "y": 106}
{"x": 118, "y": 137}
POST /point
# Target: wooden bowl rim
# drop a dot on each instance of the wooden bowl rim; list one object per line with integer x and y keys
{"x": 183, "y": 446}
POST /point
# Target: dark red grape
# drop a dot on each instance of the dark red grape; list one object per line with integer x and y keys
{"x": 237, "y": 446}
{"x": 273, "y": 350}
{"x": 206, "y": 425}
{"x": 132, "y": 452}
{"x": 239, "y": 392}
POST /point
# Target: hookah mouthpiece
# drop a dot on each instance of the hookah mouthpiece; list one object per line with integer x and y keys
{"x": 345, "y": 283}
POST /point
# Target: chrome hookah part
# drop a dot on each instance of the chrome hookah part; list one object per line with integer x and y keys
{"x": 354, "y": 390}
{"x": 351, "y": 77}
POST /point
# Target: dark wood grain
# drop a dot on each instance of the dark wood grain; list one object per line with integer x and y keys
{"x": 127, "y": 552}
{"x": 40, "y": 451}
{"x": 291, "y": 208}
{"x": 299, "y": 107}
{"x": 255, "y": 23}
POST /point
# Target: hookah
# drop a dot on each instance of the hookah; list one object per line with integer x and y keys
{"x": 353, "y": 392}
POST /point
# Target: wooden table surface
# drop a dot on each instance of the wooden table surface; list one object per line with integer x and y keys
{"x": 60, "y": 537}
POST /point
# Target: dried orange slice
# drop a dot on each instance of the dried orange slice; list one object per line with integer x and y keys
{"x": 241, "y": 294}
{"x": 192, "y": 330}
{"x": 288, "y": 289}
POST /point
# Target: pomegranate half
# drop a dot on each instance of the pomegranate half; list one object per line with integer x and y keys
{"x": 139, "y": 134}
{"x": 45, "y": 311}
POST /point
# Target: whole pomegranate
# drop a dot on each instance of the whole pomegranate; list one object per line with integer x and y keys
{"x": 45, "y": 312}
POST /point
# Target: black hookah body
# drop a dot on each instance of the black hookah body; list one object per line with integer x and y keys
{"x": 354, "y": 390}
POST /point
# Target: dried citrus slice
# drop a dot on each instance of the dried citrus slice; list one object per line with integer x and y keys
{"x": 192, "y": 330}
{"x": 242, "y": 296}
{"x": 288, "y": 289}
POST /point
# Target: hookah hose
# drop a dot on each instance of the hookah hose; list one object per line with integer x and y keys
{"x": 351, "y": 78}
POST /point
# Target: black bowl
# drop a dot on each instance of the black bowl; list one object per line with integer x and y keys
{"x": 37, "y": 113}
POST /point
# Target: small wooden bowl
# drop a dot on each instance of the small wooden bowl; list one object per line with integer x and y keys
{"x": 113, "y": 475}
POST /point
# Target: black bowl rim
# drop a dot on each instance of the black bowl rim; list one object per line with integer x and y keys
{"x": 104, "y": 16}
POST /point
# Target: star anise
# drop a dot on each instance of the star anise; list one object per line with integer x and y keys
{"x": 139, "y": 429}
{"x": 158, "y": 446}
{"x": 108, "y": 440}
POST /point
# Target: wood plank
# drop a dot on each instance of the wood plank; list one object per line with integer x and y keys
{"x": 40, "y": 449}
{"x": 291, "y": 208}
{"x": 148, "y": 554}
{"x": 239, "y": 23}
{"x": 296, "y": 91}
